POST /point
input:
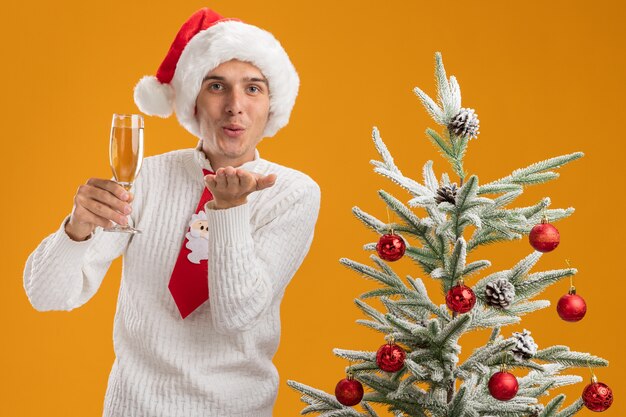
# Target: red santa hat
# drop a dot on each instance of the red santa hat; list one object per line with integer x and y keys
{"x": 205, "y": 41}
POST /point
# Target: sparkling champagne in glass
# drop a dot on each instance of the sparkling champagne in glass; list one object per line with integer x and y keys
{"x": 126, "y": 155}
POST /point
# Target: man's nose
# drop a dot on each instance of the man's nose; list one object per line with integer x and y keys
{"x": 234, "y": 102}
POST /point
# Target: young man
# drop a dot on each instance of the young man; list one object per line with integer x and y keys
{"x": 224, "y": 231}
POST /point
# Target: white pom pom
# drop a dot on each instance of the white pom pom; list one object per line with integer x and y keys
{"x": 154, "y": 98}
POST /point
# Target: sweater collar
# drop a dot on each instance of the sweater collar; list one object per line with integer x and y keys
{"x": 203, "y": 161}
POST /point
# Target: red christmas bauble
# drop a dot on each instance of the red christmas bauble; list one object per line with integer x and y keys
{"x": 571, "y": 307}
{"x": 390, "y": 247}
{"x": 390, "y": 357}
{"x": 460, "y": 299}
{"x": 503, "y": 386}
{"x": 597, "y": 396}
{"x": 544, "y": 237}
{"x": 349, "y": 391}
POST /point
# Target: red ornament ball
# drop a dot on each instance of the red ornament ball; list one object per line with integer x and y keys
{"x": 460, "y": 299}
{"x": 571, "y": 307}
{"x": 544, "y": 237}
{"x": 349, "y": 391}
{"x": 390, "y": 247}
{"x": 597, "y": 396}
{"x": 503, "y": 386}
{"x": 390, "y": 357}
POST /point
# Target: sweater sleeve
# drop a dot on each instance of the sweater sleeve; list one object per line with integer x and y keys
{"x": 248, "y": 268}
{"x": 63, "y": 274}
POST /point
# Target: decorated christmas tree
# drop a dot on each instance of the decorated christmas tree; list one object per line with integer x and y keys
{"x": 417, "y": 371}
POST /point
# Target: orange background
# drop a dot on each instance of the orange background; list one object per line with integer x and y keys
{"x": 545, "y": 78}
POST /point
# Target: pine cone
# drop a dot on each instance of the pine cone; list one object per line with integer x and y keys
{"x": 465, "y": 123}
{"x": 500, "y": 293}
{"x": 525, "y": 347}
{"x": 446, "y": 193}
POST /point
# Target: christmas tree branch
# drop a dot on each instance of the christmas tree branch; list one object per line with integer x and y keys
{"x": 553, "y": 406}
{"x": 514, "y": 275}
{"x": 535, "y": 173}
{"x": 436, "y": 244}
{"x": 456, "y": 265}
{"x": 388, "y": 163}
{"x": 519, "y": 406}
{"x": 372, "y": 222}
{"x": 475, "y": 267}
{"x": 444, "y": 90}
{"x": 419, "y": 302}
{"x": 507, "y": 224}
{"x": 538, "y": 282}
{"x": 369, "y": 409}
{"x": 412, "y": 186}
{"x": 355, "y": 355}
{"x": 384, "y": 387}
{"x": 444, "y": 149}
{"x": 522, "y": 308}
{"x": 563, "y": 356}
{"x": 370, "y": 311}
{"x": 368, "y": 272}
{"x": 430, "y": 179}
{"x": 548, "y": 373}
{"x": 494, "y": 334}
{"x": 451, "y": 332}
{"x": 572, "y": 409}
{"x": 475, "y": 362}
{"x": 319, "y": 400}
{"x": 493, "y": 188}
{"x": 424, "y": 257}
{"x": 535, "y": 390}
{"x": 458, "y": 404}
{"x": 490, "y": 317}
{"x": 419, "y": 316}
{"x": 448, "y": 95}
{"x": 431, "y": 107}
{"x": 381, "y": 328}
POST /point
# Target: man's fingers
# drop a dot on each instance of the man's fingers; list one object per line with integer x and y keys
{"x": 246, "y": 180}
{"x": 103, "y": 211}
{"x": 210, "y": 181}
{"x": 110, "y": 186}
{"x": 230, "y": 184}
{"x": 99, "y": 202}
{"x": 102, "y": 204}
{"x": 220, "y": 178}
{"x": 88, "y": 217}
{"x": 232, "y": 179}
{"x": 108, "y": 199}
{"x": 265, "y": 182}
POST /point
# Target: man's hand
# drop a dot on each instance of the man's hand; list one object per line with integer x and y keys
{"x": 97, "y": 203}
{"x": 230, "y": 186}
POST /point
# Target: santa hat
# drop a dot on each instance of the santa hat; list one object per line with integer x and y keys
{"x": 205, "y": 41}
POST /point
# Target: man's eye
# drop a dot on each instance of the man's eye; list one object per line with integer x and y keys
{"x": 254, "y": 89}
{"x": 215, "y": 87}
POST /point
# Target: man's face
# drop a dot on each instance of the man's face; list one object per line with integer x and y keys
{"x": 232, "y": 111}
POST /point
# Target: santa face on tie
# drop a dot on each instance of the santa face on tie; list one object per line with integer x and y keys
{"x": 199, "y": 228}
{"x": 198, "y": 238}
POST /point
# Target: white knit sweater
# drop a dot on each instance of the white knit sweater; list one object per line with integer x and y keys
{"x": 217, "y": 362}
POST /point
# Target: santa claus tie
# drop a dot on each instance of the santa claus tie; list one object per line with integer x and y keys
{"x": 189, "y": 283}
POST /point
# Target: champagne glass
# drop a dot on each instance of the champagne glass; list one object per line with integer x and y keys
{"x": 126, "y": 155}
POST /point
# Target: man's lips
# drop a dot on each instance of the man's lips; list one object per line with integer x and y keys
{"x": 233, "y": 131}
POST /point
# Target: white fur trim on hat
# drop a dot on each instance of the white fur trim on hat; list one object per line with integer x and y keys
{"x": 154, "y": 98}
{"x": 235, "y": 40}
